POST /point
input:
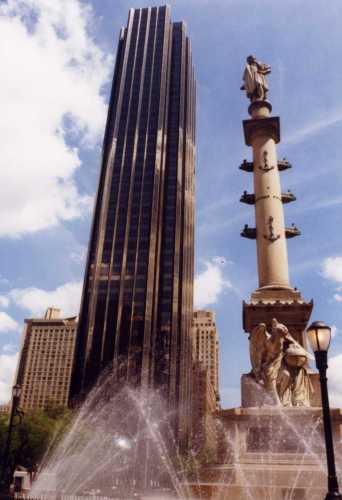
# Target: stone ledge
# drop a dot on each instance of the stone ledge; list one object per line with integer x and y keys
{"x": 275, "y": 412}
{"x": 268, "y": 126}
{"x": 286, "y": 305}
{"x": 252, "y": 394}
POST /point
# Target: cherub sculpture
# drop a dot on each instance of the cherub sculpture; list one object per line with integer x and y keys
{"x": 254, "y": 78}
{"x": 279, "y": 366}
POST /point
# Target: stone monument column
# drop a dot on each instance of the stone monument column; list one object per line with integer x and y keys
{"x": 262, "y": 133}
{"x": 267, "y": 452}
{"x": 274, "y": 297}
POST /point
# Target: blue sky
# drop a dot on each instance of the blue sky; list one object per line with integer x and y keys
{"x": 57, "y": 60}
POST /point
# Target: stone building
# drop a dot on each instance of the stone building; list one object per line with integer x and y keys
{"x": 206, "y": 344}
{"x": 45, "y": 362}
{"x": 136, "y": 310}
{"x": 204, "y": 431}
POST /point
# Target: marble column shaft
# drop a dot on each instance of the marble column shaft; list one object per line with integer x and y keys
{"x": 269, "y": 214}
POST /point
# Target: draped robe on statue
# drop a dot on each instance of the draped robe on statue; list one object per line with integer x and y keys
{"x": 254, "y": 78}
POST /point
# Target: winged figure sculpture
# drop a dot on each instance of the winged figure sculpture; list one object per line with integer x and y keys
{"x": 279, "y": 365}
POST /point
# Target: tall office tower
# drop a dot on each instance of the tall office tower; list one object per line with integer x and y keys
{"x": 45, "y": 362}
{"x": 136, "y": 310}
{"x": 206, "y": 344}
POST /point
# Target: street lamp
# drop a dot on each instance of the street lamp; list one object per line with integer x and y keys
{"x": 319, "y": 337}
{"x": 15, "y": 411}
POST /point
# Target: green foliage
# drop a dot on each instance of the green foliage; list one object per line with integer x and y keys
{"x": 192, "y": 462}
{"x": 206, "y": 456}
{"x": 31, "y": 438}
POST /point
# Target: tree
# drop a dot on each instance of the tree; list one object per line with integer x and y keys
{"x": 33, "y": 435}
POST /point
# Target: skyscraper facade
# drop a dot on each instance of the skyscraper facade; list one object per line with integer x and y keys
{"x": 45, "y": 361}
{"x": 136, "y": 309}
{"x": 206, "y": 344}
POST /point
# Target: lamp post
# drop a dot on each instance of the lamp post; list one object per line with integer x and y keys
{"x": 319, "y": 337}
{"x": 16, "y": 391}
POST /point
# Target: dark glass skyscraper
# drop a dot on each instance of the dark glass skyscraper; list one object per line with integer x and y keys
{"x": 136, "y": 308}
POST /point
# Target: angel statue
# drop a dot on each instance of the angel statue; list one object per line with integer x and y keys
{"x": 254, "y": 78}
{"x": 279, "y": 366}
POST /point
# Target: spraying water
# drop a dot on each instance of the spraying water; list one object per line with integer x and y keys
{"x": 120, "y": 445}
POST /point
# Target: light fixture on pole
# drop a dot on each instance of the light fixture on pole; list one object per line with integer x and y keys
{"x": 15, "y": 412}
{"x": 319, "y": 335}
{"x": 16, "y": 391}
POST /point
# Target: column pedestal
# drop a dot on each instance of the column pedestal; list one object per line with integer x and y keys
{"x": 275, "y": 453}
{"x": 287, "y": 306}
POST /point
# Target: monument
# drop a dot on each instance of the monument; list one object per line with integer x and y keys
{"x": 272, "y": 446}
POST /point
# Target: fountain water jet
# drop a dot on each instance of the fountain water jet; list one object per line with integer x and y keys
{"x": 271, "y": 453}
{"x": 120, "y": 445}
{"x": 121, "y": 438}
{"x": 120, "y": 442}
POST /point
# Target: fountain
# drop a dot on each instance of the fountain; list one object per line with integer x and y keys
{"x": 271, "y": 453}
{"x": 120, "y": 444}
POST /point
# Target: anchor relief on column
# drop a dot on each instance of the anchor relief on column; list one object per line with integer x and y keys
{"x": 265, "y": 167}
{"x": 271, "y": 236}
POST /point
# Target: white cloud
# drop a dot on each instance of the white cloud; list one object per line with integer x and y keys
{"x": 8, "y": 324}
{"x": 313, "y": 128}
{"x": 4, "y": 301}
{"x": 36, "y": 300}
{"x": 334, "y": 380}
{"x": 4, "y": 281}
{"x": 79, "y": 257}
{"x": 334, "y": 331}
{"x": 9, "y": 348}
{"x": 332, "y": 268}
{"x": 209, "y": 284}
{"x": 52, "y": 73}
{"x": 8, "y": 365}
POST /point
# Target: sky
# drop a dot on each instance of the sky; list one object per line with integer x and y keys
{"x": 57, "y": 60}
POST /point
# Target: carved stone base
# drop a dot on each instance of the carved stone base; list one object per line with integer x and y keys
{"x": 227, "y": 490}
{"x": 284, "y": 304}
{"x": 253, "y": 395}
{"x": 273, "y": 435}
{"x": 270, "y": 453}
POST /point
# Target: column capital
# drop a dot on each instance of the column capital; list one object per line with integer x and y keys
{"x": 261, "y": 126}
{"x": 286, "y": 305}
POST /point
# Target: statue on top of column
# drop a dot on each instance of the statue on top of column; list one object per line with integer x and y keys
{"x": 254, "y": 78}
